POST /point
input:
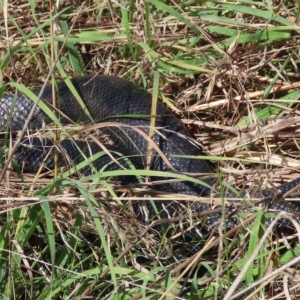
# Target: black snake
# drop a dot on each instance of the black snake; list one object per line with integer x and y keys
{"x": 113, "y": 99}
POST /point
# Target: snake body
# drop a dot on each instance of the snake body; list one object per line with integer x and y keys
{"x": 113, "y": 99}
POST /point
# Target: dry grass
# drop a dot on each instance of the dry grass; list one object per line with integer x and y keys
{"x": 239, "y": 99}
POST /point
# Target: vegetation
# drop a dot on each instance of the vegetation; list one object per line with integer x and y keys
{"x": 230, "y": 71}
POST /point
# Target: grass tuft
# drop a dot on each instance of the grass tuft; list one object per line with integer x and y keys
{"x": 230, "y": 71}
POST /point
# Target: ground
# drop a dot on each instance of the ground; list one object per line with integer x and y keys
{"x": 230, "y": 71}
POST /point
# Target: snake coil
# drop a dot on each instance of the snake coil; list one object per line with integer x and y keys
{"x": 113, "y": 99}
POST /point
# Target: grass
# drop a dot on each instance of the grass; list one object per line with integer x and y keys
{"x": 230, "y": 71}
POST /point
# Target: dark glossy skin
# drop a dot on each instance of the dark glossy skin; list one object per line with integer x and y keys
{"x": 113, "y": 99}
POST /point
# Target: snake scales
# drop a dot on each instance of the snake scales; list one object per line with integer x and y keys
{"x": 113, "y": 99}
